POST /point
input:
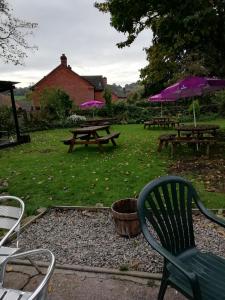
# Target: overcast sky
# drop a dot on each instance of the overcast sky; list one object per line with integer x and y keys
{"x": 84, "y": 34}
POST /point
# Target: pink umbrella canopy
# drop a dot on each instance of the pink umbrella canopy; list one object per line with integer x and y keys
{"x": 160, "y": 98}
{"x": 92, "y": 103}
{"x": 193, "y": 86}
{"x": 189, "y": 87}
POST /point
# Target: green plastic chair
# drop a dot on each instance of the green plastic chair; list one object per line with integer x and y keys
{"x": 165, "y": 208}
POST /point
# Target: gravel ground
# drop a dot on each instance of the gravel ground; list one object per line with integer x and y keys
{"x": 89, "y": 238}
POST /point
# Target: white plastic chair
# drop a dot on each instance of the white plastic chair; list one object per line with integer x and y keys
{"x": 10, "y": 216}
{"x": 41, "y": 291}
{"x": 11, "y": 213}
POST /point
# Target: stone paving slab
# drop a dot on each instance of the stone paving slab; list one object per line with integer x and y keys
{"x": 69, "y": 285}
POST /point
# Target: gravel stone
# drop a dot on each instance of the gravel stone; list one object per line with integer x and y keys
{"x": 89, "y": 238}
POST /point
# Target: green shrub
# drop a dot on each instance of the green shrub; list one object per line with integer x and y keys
{"x": 119, "y": 107}
{"x": 6, "y": 119}
{"x": 55, "y": 104}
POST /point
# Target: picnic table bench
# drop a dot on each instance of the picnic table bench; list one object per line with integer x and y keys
{"x": 105, "y": 139}
{"x": 148, "y": 124}
{"x": 175, "y": 140}
{"x": 98, "y": 122}
{"x": 190, "y": 135}
{"x": 89, "y": 135}
{"x": 80, "y": 136}
{"x": 199, "y": 130}
{"x": 164, "y": 140}
{"x": 161, "y": 122}
{"x": 207, "y": 141}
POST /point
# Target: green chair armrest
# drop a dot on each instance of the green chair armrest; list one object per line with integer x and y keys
{"x": 211, "y": 216}
{"x": 192, "y": 277}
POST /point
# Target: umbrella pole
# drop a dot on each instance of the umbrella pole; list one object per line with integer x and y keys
{"x": 193, "y": 105}
{"x": 161, "y": 110}
{"x": 194, "y": 113}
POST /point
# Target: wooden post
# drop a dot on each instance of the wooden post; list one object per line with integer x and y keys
{"x": 15, "y": 114}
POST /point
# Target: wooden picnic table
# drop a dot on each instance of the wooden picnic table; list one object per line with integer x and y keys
{"x": 90, "y": 135}
{"x": 196, "y": 136}
{"x": 190, "y": 135}
{"x": 161, "y": 122}
{"x": 98, "y": 122}
{"x": 199, "y": 130}
{"x": 161, "y": 119}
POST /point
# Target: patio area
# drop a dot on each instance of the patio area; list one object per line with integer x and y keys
{"x": 69, "y": 284}
{"x": 88, "y": 238}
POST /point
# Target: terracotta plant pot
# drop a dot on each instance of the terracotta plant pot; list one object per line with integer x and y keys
{"x": 125, "y": 217}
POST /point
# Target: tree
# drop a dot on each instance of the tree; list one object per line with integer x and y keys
{"x": 107, "y": 95}
{"x": 188, "y": 36}
{"x": 13, "y": 34}
{"x": 56, "y": 103}
{"x": 136, "y": 95}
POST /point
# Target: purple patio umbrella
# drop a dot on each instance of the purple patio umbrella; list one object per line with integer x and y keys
{"x": 192, "y": 86}
{"x": 160, "y": 98}
{"x": 92, "y": 103}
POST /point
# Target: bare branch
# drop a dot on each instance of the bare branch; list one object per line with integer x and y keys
{"x": 13, "y": 33}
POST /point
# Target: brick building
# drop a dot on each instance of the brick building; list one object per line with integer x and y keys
{"x": 79, "y": 88}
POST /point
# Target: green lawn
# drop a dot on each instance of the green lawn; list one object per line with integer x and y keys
{"x": 44, "y": 174}
{"x": 20, "y": 98}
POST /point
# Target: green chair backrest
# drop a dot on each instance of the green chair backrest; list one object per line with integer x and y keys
{"x": 165, "y": 206}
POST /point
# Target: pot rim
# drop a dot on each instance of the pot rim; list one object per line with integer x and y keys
{"x": 134, "y": 214}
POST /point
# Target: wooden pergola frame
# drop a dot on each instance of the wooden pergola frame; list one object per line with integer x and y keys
{"x": 10, "y": 86}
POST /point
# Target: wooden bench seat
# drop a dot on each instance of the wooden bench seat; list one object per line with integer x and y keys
{"x": 193, "y": 141}
{"x": 96, "y": 122}
{"x": 105, "y": 139}
{"x": 79, "y": 136}
{"x": 164, "y": 140}
{"x": 161, "y": 123}
{"x": 148, "y": 123}
{"x": 67, "y": 142}
{"x": 187, "y": 140}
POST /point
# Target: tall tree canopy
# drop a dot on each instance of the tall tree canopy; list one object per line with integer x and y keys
{"x": 13, "y": 35}
{"x": 188, "y": 36}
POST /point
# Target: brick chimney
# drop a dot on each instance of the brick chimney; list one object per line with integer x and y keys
{"x": 63, "y": 60}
